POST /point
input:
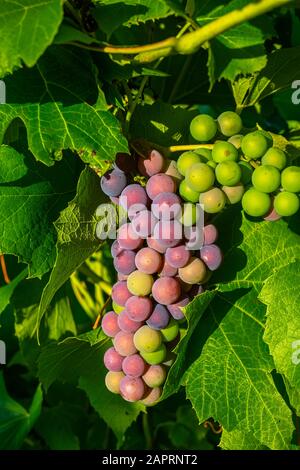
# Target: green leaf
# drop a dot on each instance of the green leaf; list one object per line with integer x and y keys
{"x": 16, "y": 421}
{"x": 67, "y": 33}
{"x": 231, "y": 380}
{"x": 7, "y": 291}
{"x": 239, "y": 440}
{"x": 31, "y": 197}
{"x": 294, "y": 396}
{"x": 58, "y": 111}
{"x": 27, "y": 29}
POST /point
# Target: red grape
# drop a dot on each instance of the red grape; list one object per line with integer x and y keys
{"x": 110, "y": 324}
{"x": 148, "y": 260}
{"x": 120, "y": 294}
{"x": 139, "y": 308}
{"x": 160, "y": 183}
{"x": 113, "y": 360}
{"x": 166, "y": 290}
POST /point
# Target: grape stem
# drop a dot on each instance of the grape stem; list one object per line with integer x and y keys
{"x": 180, "y": 148}
{"x": 96, "y": 324}
{"x": 4, "y": 270}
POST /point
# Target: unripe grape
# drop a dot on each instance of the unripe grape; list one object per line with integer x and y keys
{"x": 187, "y": 193}
{"x": 236, "y": 140}
{"x": 200, "y": 177}
{"x": 203, "y": 128}
{"x": 186, "y": 160}
{"x": 255, "y": 144}
{"x": 286, "y": 203}
{"x": 203, "y": 152}
{"x": 155, "y": 357}
{"x": 213, "y": 201}
{"x": 112, "y": 381}
{"x": 117, "y": 308}
{"x": 266, "y": 178}
{"x": 256, "y": 203}
{"x": 228, "y": 173}
{"x": 190, "y": 215}
{"x": 146, "y": 339}
{"x": 234, "y": 193}
{"x": 194, "y": 271}
{"x": 290, "y": 179}
{"x": 170, "y": 332}
{"x": 155, "y": 376}
{"x": 275, "y": 157}
{"x": 229, "y": 123}
{"x": 139, "y": 284}
{"x": 224, "y": 152}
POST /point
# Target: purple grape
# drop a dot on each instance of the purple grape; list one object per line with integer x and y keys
{"x": 212, "y": 256}
{"x": 126, "y": 324}
{"x": 110, "y": 324}
{"x": 166, "y": 290}
{"x": 132, "y": 388}
{"x": 210, "y": 234}
{"x": 148, "y": 261}
{"x": 143, "y": 223}
{"x": 120, "y": 294}
{"x": 178, "y": 256}
{"x": 160, "y": 183}
{"x": 139, "y": 308}
{"x": 113, "y": 182}
{"x": 127, "y": 238}
{"x": 166, "y": 206}
{"x": 168, "y": 233}
{"x": 167, "y": 269}
{"x": 153, "y": 243}
{"x": 135, "y": 209}
{"x": 175, "y": 310}
{"x": 134, "y": 365}
{"x": 159, "y": 318}
{"x": 115, "y": 248}
{"x": 123, "y": 343}
{"x": 151, "y": 165}
{"x": 133, "y": 194}
{"x": 113, "y": 360}
{"x": 124, "y": 262}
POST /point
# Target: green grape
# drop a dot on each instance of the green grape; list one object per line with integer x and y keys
{"x": 228, "y": 173}
{"x": 189, "y": 214}
{"x": 255, "y": 144}
{"x": 234, "y": 193}
{"x": 155, "y": 357}
{"x": 171, "y": 331}
{"x": 212, "y": 164}
{"x": 266, "y": 178}
{"x": 186, "y": 160}
{"x": 286, "y": 203}
{"x": 274, "y": 157}
{"x": 230, "y": 123}
{"x": 247, "y": 171}
{"x": 117, "y": 308}
{"x": 139, "y": 283}
{"x": 213, "y": 200}
{"x": 256, "y": 203}
{"x": 203, "y": 128}
{"x": 146, "y": 339}
{"x": 206, "y": 153}
{"x": 200, "y": 177}
{"x": 224, "y": 151}
{"x": 290, "y": 179}
{"x": 187, "y": 193}
{"x": 236, "y": 140}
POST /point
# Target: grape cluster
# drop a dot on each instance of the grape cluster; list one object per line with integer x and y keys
{"x": 157, "y": 275}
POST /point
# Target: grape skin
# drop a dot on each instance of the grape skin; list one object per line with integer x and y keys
{"x": 139, "y": 284}
{"x": 194, "y": 272}
{"x": 213, "y": 201}
{"x": 132, "y": 388}
{"x": 127, "y": 238}
{"x": 155, "y": 376}
{"x": 203, "y": 128}
{"x": 210, "y": 234}
{"x": 143, "y": 223}
{"x": 134, "y": 366}
{"x": 123, "y": 343}
{"x": 139, "y": 308}
{"x": 178, "y": 256}
{"x": 113, "y": 360}
{"x": 166, "y": 290}
{"x": 286, "y": 203}
{"x": 167, "y": 269}
{"x": 156, "y": 357}
{"x": 148, "y": 261}
{"x": 212, "y": 256}
{"x": 256, "y": 203}
{"x": 151, "y": 165}
{"x": 152, "y": 397}
{"x": 146, "y": 339}
{"x": 126, "y": 324}
{"x": 229, "y": 123}
{"x": 110, "y": 324}
{"x": 160, "y": 183}
{"x": 112, "y": 381}
{"x": 113, "y": 182}
{"x": 175, "y": 308}
{"x": 159, "y": 318}
{"x": 120, "y": 294}
{"x": 131, "y": 195}
{"x": 124, "y": 263}
{"x": 166, "y": 206}
{"x": 168, "y": 233}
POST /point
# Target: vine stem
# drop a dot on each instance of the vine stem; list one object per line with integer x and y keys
{"x": 4, "y": 270}
{"x": 96, "y": 324}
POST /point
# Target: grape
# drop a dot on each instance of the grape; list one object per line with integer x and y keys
{"x": 234, "y": 193}
{"x": 115, "y": 248}
{"x": 139, "y": 308}
{"x": 147, "y": 340}
{"x": 171, "y": 169}
{"x": 127, "y": 238}
{"x": 275, "y": 157}
{"x": 168, "y": 233}
{"x": 134, "y": 366}
{"x": 117, "y": 308}
{"x": 200, "y": 177}
{"x": 203, "y": 128}
{"x": 167, "y": 269}
{"x": 175, "y": 308}
{"x": 272, "y": 215}
{"x": 139, "y": 283}
{"x": 125, "y": 162}
{"x": 247, "y": 171}
{"x": 212, "y": 256}
{"x": 124, "y": 262}
{"x": 151, "y": 165}
{"x": 194, "y": 237}
{"x": 110, "y": 324}
{"x": 213, "y": 201}
{"x": 190, "y": 214}
{"x": 152, "y": 397}
{"x": 131, "y": 195}
{"x": 153, "y": 243}
{"x": 230, "y": 123}
{"x": 155, "y": 376}
{"x": 256, "y": 203}
{"x": 228, "y": 173}
{"x": 113, "y": 182}
{"x": 290, "y": 179}
{"x": 166, "y": 290}
{"x": 224, "y": 152}
{"x": 143, "y": 223}
{"x": 170, "y": 332}
{"x": 159, "y": 318}
{"x": 286, "y": 203}
{"x": 206, "y": 153}
{"x": 266, "y": 178}
{"x": 196, "y": 290}
{"x": 148, "y": 261}
{"x": 132, "y": 388}
{"x": 186, "y": 160}
{"x": 166, "y": 206}
{"x": 255, "y": 144}
{"x": 113, "y": 360}
{"x": 155, "y": 357}
{"x": 178, "y": 256}
{"x": 212, "y": 164}
{"x": 210, "y": 234}
{"x": 122, "y": 277}
{"x": 126, "y": 323}
{"x": 236, "y": 140}
{"x": 120, "y": 294}
{"x": 123, "y": 343}
{"x": 194, "y": 272}
{"x": 187, "y": 193}
{"x": 160, "y": 183}
{"x": 112, "y": 381}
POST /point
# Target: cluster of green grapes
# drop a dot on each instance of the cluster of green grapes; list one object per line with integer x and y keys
{"x": 245, "y": 167}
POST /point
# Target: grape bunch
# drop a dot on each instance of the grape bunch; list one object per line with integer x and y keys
{"x": 158, "y": 274}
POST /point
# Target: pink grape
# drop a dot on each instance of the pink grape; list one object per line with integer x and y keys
{"x": 153, "y": 243}
{"x": 135, "y": 209}
{"x": 166, "y": 206}
{"x": 152, "y": 396}
{"x": 212, "y": 256}
{"x": 110, "y": 324}
{"x": 124, "y": 262}
{"x": 167, "y": 269}
{"x": 166, "y": 290}
{"x": 159, "y": 318}
{"x": 168, "y": 233}
{"x": 115, "y": 248}
{"x": 126, "y": 324}
{"x": 151, "y": 165}
{"x": 272, "y": 215}
{"x": 134, "y": 365}
{"x": 112, "y": 381}
{"x": 113, "y": 360}
{"x": 120, "y": 294}
{"x": 194, "y": 271}
{"x": 133, "y": 194}
{"x": 113, "y": 182}
{"x": 122, "y": 277}
{"x": 143, "y": 223}
{"x": 128, "y": 239}
{"x": 210, "y": 234}
{"x": 123, "y": 343}
{"x": 132, "y": 388}
{"x": 160, "y": 183}
{"x": 139, "y": 308}
{"x": 155, "y": 376}
{"x": 175, "y": 308}
{"x": 178, "y": 256}
{"x": 148, "y": 260}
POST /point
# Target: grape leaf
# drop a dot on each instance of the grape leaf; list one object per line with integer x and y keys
{"x": 16, "y": 421}
{"x": 59, "y": 112}
{"x": 231, "y": 380}
{"x": 294, "y": 396}
{"x": 27, "y": 29}
{"x": 239, "y": 440}
{"x": 31, "y": 197}
{"x": 7, "y": 291}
